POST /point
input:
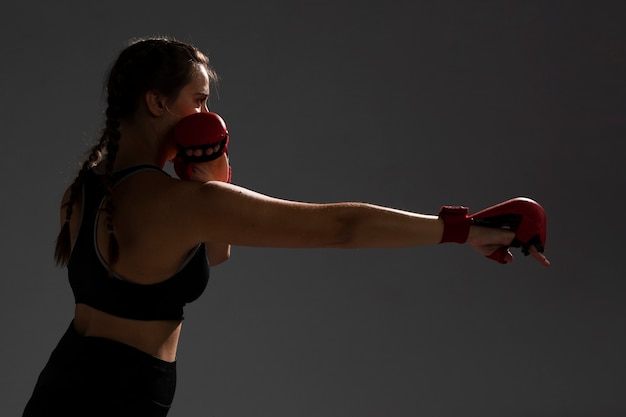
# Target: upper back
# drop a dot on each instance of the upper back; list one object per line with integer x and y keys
{"x": 150, "y": 280}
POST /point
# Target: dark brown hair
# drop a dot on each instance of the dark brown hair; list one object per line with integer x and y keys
{"x": 159, "y": 63}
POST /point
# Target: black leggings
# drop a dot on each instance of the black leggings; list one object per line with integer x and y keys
{"x": 92, "y": 376}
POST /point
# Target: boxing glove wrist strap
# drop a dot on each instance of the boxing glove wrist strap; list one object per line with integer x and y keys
{"x": 456, "y": 224}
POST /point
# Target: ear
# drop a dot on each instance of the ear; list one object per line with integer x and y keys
{"x": 155, "y": 103}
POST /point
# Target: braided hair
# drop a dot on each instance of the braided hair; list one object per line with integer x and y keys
{"x": 158, "y": 63}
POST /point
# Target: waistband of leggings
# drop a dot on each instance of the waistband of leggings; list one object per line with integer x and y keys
{"x": 74, "y": 345}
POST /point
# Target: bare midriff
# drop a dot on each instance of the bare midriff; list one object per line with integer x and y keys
{"x": 158, "y": 338}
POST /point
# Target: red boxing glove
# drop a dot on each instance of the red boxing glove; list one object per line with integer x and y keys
{"x": 206, "y": 135}
{"x": 521, "y": 215}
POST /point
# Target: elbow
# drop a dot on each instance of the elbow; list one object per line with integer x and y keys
{"x": 345, "y": 231}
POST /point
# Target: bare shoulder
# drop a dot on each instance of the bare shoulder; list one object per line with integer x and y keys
{"x": 157, "y": 208}
{"x": 184, "y": 213}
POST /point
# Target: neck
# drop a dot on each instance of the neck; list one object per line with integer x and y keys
{"x": 139, "y": 145}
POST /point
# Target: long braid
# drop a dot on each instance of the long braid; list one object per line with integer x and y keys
{"x": 113, "y": 131}
{"x": 63, "y": 243}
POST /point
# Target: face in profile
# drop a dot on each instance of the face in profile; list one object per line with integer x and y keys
{"x": 194, "y": 97}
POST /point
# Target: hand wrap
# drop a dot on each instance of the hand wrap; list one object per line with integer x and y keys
{"x": 206, "y": 135}
{"x": 521, "y": 215}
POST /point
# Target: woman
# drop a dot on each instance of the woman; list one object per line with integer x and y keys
{"x": 138, "y": 243}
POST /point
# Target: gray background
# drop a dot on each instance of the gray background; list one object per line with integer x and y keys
{"x": 409, "y": 104}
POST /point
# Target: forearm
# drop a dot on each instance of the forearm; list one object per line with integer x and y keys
{"x": 368, "y": 225}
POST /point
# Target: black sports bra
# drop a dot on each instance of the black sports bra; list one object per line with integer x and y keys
{"x": 89, "y": 277}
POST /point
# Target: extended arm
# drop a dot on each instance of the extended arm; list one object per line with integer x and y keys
{"x": 243, "y": 217}
{"x": 220, "y": 212}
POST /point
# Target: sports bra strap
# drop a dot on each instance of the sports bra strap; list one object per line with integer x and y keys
{"x": 126, "y": 172}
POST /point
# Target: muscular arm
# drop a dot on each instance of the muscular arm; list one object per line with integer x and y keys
{"x": 219, "y": 212}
